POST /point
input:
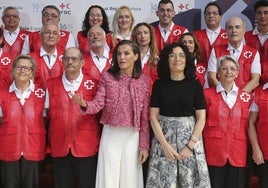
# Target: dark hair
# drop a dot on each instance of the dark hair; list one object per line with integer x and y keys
{"x": 52, "y": 7}
{"x": 104, "y": 25}
{"x": 115, "y": 70}
{"x": 196, "y": 53}
{"x": 2, "y": 35}
{"x": 163, "y": 64}
{"x": 213, "y": 4}
{"x": 260, "y": 4}
{"x": 165, "y": 2}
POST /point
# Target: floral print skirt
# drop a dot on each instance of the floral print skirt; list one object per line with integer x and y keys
{"x": 186, "y": 173}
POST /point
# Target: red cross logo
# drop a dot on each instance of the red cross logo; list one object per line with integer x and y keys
{"x": 245, "y": 97}
{"x": 62, "y": 34}
{"x": 89, "y": 84}
{"x": 62, "y": 6}
{"x": 5, "y": 60}
{"x": 200, "y": 69}
{"x": 224, "y": 35}
{"x": 40, "y": 93}
{"x": 23, "y": 36}
{"x": 177, "y": 32}
{"x": 60, "y": 57}
{"x": 247, "y": 54}
{"x": 181, "y": 6}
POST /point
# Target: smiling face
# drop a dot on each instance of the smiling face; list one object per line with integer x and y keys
{"x": 126, "y": 59}
{"x": 165, "y": 14}
{"x": 212, "y": 17}
{"x": 11, "y": 19}
{"x": 189, "y": 42}
{"x": 95, "y": 17}
{"x": 261, "y": 16}
{"x": 96, "y": 37}
{"x": 125, "y": 20}
{"x": 177, "y": 60}
{"x": 228, "y": 71}
{"x": 50, "y": 15}
{"x": 22, "y": 71}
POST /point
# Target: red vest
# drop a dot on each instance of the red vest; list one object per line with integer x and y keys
{"x": 83, "y": 42}
{"x": 254, "y": 42}
{"x": 6, "y": 61}
{"x": 200, "y": 72}
{"x": 69, "y": 128}
{"x": 245, "y": 60}
{"x": 90, "y": 68}
{"x": 174, "y": 36}
{"x": 23, "y": 128}
{"x": 151, "y": 71}
{"x": 261, "y": 99}
{"x": 111, "y": 42}
{"x": 35, "y": 42}
{"x": 204, "y": 43}
{"x": 225, "y": 132}
{"x": 43, "y": 73}
{"x": 16, "y": 47}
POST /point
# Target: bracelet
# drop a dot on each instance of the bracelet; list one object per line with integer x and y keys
{"x": 189, "y": 147}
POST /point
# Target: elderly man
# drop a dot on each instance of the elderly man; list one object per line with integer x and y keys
{"x": 50, "y": 13}
{"x": 73, "y": 136}
{"x": 48, "y": 57}
{"x": 213, "y": 35}
{"x": 248, "y": 58}
{"x": 13, "y": 36}
{"x": 99, "y": 58}
{"x": 166, "y": 31}
{"x": 257, "y": 38}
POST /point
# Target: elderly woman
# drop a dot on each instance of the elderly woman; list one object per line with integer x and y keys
{"x": 22, "y": 130}
{"x": 225, "y": 132}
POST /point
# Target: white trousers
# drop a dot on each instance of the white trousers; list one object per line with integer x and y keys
{"x": 118, "y": 164}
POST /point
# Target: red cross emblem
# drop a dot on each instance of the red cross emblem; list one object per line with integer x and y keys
{"x": 224, "y": 35}
{"x": 23, "y": 36}
{"x": 247, "y": 54}
{"x": 40, "y": 93}
{"x": 60, "y": 57}
{"x": 177, "y": 32}
{"x": 245, "y": 97}
{"x": 200, "y": 69}
{"x": 89, "y": 84}
{"x": 5, "y": 60}
{"x": 62, "y": 34}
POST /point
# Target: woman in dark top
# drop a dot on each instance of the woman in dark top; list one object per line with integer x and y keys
{"x": 177, "y": 116}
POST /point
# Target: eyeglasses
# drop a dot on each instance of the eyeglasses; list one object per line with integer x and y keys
{"x": 214, "y": 13}
{"x": 95, "y": 15}
{"x": 161, "y": 10}
{"x": 175, "y": 56}
{"x": 25, "y": 68}
{"x": 11, "y": 16}
{"x": 231, "y": 69}
{"x": 74, "y": 59}
{"x": 46, "y": 15}
{"x": 49, "y": 33}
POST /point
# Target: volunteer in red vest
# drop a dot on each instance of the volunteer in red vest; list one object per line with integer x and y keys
{"x": 22, "y": 129}
{"x": 257, "y": 38}
{"x": 247, "y": 57}
{"x": 6, "y": 60}
{"x": 167, "y": 31}
{"x": 213, "y": 35}
{"x": 73, "y": 136}
{"x": 99, "y": 58}
{"x": 258, "y": 132}
{"x": 13, "y": 36}
{"x": 48, "y": 57}
{"x": 225, "y": 133}
{"x": 50, "y": 13}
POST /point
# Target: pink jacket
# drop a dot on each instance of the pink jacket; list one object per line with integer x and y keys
{"x": 107, "y": 98}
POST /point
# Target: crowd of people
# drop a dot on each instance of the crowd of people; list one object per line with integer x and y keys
{"x": 136, "y": 105}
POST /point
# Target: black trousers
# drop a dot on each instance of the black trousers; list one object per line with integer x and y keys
{"x": 69, "y": 171}
{"x": 20, "y": 174}
{"x": 262, "y": 172}
{"x": 227, "y": 176}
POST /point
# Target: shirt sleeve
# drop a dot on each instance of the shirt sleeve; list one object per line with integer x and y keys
{"x": 71, "y": 41}
{"x": 256, "y": 65}
{"x": 212, "y": 62}
{"x": 155, "y": 98}
{"x": 199, "y": 97}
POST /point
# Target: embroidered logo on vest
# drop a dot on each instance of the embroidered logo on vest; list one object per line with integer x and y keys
{"x": 62, "y": 34}
{"x": 247, "y": 54}
{"x": 200, "y": 69}
{"x": 89, "y": 84}
{"x": 224, "y": 35}
{"x": 245, "y": 97}
{"x": 23, "y": 36}
{"x": 5, "y": 60}
{"x": 40, "y": 93}
{"x": 177, "y": 32}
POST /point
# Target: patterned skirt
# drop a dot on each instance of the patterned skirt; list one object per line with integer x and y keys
{"x": 187, "y": 173}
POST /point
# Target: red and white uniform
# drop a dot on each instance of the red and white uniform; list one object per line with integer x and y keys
{"x": 205, "y": 44}
{"x": 83, "y": 44}
{"x": 175, "y": 32}
{"x": 71, "y": 130}
{"x": 22, "y": 131}
{"x": 225, "y": 133}
{"x": 201, "y": 72}
{"x": 16, "y": 45}
{"x": 6, "y": 60}
{"x": 43, "y": 72}
{"x": 253, "y": 41}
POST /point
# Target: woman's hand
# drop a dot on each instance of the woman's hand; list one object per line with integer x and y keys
{"x": 257, "y": 156}
{"x": 185, "y": 153}
{"x": 143, "y": 155}
{"x": 170, "y": 152}
{"x": 77, "y": 97}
